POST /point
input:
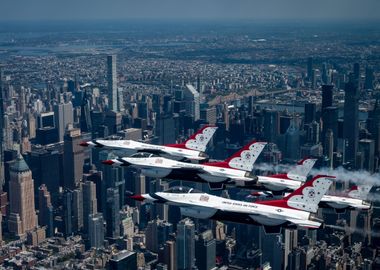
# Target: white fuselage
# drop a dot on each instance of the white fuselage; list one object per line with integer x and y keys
{"x": 131, "y": 147}
{"x": 162, "y": 167}
{"x": 203, "y": 205}
{"x": 340, "y": 202}
{"x": 278, "y": 184}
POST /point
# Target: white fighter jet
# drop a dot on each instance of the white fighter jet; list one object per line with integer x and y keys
{"x": 193, "y": 148}
{"x": 355, "y": 198}
{"x": 293, "y": 211}
{"x": 289, "y": 181}
{"x": 235, "y": 170}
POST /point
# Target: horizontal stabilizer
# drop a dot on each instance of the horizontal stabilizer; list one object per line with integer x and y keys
{"x": 272, "y": 229}
{"x": 216, "y": 186}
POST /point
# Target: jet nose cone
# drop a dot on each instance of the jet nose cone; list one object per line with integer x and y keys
{"x": 137, "y": 197}
{"x": 84, "y": 144}
{"x": 108, "y": 162}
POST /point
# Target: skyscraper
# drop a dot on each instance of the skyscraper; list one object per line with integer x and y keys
{"x": 45, "y": 213}
{"x": 63, "y": 114}
{"x": 271, "y": 125}
{"x": 165, "y": 129}
{"x": 85, "y": 116}
{"x": 205, "y": 251}
{"x": 113, "y": 178}
{"x": 292, "y": 141}
{"x": 112, "y": 83}
{"x": 290, "y": 242}
{"x": 330, "y": 121}
{"x": 170, "y": 255}
{"x": 310, "y": 112}
{"x": 373, "y": 124}
{"x": 368, "y": 84}
{"x": 185, "y": 244}
{"x": 67, "y": 214}
{"x": 113, "y": 214}
{"x": 21, "y": 198}
{"x": 96, "y": 230}
{"x": 1, "y": 131}
{"x": 77, "y": 207}
{"x": 72, "y": 159}
{"x": 351, "y": 119}
{"x": 192, "y": 99}
{"x": 367, "y": 147}
{"x": 310, "y": 69}
{"x": 89, "y": 203}
{"x": 356, "y": 78}
{"x": 1, "y": 146}
{"x": 113, "y": 122}
{"x": 327, "y": 96}
{"x": 151, "y": 236}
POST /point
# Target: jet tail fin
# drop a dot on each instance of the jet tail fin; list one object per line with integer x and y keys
{"x": 359, "y": 192}
{"x": 246, "y": 157}
{"x": 306, "y": 197}
{"x": 199, "y": 140}
{"x": 302, "y": 169}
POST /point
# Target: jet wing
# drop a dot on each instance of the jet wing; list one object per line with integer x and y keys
{"x": 304, "y": 223}
{"x": 151, "y": 151}
{"x": 190, "y": 170}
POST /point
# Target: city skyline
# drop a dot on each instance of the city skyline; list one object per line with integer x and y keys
{"x": 193, "y": 135}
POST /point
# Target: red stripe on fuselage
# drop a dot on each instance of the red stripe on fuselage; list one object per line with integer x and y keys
{"x": 276, "y": 203}
{"x": 280, "y": 176}
{"x": 221, "y": 164}
{"x": 180, "y": 145}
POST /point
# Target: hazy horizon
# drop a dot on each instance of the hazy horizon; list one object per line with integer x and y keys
{"x": 204, "y": 10}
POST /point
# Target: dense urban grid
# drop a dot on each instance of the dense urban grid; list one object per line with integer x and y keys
{"x": 308, "y": 92}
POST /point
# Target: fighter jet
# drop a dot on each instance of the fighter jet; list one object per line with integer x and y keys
{"x": 293, "y": 211}
{"x": 235, "y": 170}
{"x": 289, "y": 181}
{"x": 193, "y": 148}
{"x": 355, "y": 198}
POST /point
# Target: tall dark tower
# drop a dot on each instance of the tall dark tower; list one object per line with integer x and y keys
{"x": 310, "y": 112}
{"x": 310, "y": 68}
{"x": 112, "y": 82}
{"x": 85, "y": 117}
{"x": 368, "y": 84}
{"x": 327, "y": 96}
{"x": 330, "y": 122}
{"x": 357, "y": 74}
{"x": 351, "y": 118}
{"x": 1, "y": 131}
{"x": 373, "y": 124}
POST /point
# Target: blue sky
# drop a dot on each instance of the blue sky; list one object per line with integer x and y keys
{"x": 356, "y": 10}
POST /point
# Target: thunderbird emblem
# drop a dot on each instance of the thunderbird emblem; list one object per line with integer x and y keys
{"x": 311, "y": 193}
